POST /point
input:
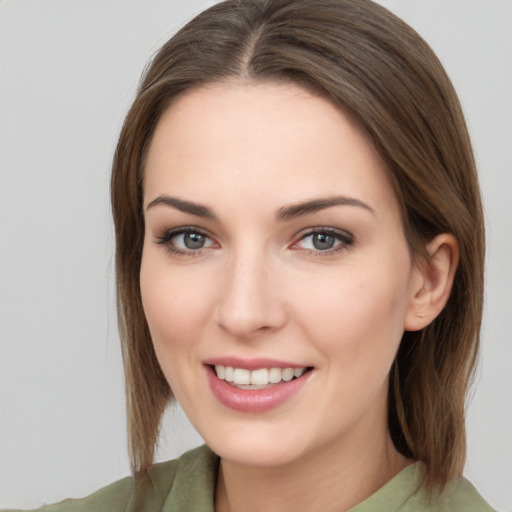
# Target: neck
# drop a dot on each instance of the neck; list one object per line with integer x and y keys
{"x": 333, "y": 479}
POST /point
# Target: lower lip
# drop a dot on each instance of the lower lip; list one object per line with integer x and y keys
{"x": 257, "y": 400}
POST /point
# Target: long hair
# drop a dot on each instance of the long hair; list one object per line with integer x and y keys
{"x": 377, "y": 69}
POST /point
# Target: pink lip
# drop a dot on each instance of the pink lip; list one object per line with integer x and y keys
{"x": 255, "y": 401}
{"x": 251, "y": 364}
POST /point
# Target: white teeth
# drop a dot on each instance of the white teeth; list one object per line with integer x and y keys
{"x": 298, "y": 372}
{"x": 260, "y": 377}
{"x": 287, "y": 374}
{"x": 229, "y": 373}
{"x": 274, "y": 375}
{"x": 242, "y": 376}
{"x": 221, "y": 371}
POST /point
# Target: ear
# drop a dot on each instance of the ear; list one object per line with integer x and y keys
{"x": 432, "y": 282}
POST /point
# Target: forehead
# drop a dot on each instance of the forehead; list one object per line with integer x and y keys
{"x": 267, "y": 140}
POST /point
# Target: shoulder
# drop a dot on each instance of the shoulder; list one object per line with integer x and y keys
{"x": 113, "y": 497}
{"x": 462, "y": 495}
{"x": 459, "y": 494}
{"x": 405, "y": 493}
{"x": 165, "y": 480}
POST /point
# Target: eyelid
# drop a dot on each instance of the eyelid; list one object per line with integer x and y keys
{"x": 344, "y": 238}
{"x": 167, "y": 235}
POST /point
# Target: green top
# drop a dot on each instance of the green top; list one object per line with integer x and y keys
{"x": 187, "y": 484}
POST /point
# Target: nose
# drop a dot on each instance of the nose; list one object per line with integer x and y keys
{"x": 251, "y": 300}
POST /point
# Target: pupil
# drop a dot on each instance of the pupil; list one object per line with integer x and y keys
{"x": 321, "y": 241}
{"x": 193, "y": 240}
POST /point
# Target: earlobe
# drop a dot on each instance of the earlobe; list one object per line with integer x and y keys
{"x": 432, "y": 282}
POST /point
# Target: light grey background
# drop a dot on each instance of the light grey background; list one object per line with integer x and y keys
{"x": 68, "y": 71}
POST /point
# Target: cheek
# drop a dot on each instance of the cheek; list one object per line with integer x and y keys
{"x": 357, "y": 328}
{"x": 177, "y": 307}
{"x": 173, "y": 300}
{"x": 357, "y": 316}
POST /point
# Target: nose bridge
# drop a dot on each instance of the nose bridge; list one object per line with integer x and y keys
{"x": 250, "y": 302}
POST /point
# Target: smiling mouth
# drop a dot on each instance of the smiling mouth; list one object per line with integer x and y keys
{"x": 260, "y": 378}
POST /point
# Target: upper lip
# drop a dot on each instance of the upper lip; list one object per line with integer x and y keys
{"x": 251, "y": 364}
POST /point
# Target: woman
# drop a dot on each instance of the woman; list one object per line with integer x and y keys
{"x": 299, "y": 261}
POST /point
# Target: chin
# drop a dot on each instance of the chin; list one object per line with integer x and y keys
{"x": 265, "y": 445}
{"x": 254, "y": 454}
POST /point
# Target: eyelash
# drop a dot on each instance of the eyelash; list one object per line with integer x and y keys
{"x": 166, "y": 237}
{"x": 344, "y": 238}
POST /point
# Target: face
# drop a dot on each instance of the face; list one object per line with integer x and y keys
{"x": 275, "y": 275}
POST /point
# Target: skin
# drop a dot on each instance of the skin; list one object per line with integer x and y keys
{"x": 260, "y": 288}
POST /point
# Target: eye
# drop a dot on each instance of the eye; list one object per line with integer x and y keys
{"x": 324, "y": 240}
{"x": 185, "y": 240}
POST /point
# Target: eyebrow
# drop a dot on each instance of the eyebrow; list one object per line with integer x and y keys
{"x": 185, "y": 206}
{"x": 283, "y": 214}
{"x": 315, "y": 205}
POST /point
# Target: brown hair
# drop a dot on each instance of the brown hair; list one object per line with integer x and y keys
{"x": 375, "y": 67}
